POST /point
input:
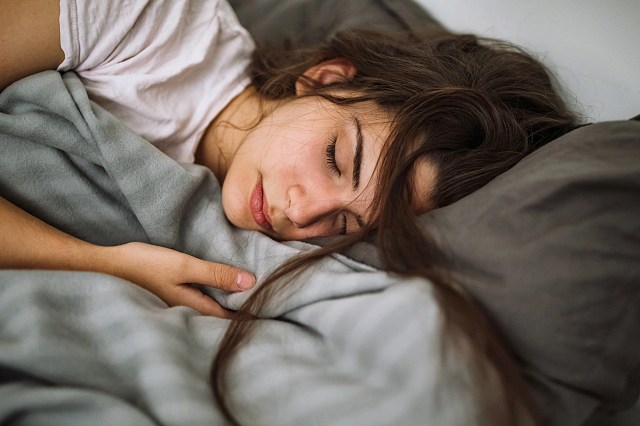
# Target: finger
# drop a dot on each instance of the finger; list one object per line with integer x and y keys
{"x": 194, "y": 298}
{"x": 218, "y": 275}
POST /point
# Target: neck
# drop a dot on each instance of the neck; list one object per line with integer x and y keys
{"x": 227, "y": 131}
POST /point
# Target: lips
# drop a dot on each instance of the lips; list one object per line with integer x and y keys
{"x": 258, "y": 206}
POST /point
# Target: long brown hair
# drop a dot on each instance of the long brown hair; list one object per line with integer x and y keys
{"x": 471, "y": 107}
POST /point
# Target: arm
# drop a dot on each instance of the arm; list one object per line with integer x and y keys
{"x": 28, "y": 243}
{"x": 29, "y": 38}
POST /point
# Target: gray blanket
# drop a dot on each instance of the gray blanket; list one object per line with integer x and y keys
{"x": 347, "y": 345}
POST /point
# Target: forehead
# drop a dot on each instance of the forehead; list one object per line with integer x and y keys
{"x": 370, "y": 127}
{"x": 373, "y": 128}
{"x": 370, "y": 120}
{"x": 368, "y": 112}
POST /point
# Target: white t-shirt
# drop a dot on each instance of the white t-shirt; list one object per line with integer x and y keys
{"x": 164, "y": 67}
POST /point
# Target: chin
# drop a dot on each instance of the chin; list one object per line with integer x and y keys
{"x": 229, "y": 213}
{"x": 239, "y": 223}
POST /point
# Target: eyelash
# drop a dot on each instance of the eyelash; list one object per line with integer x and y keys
{"x": 331, "y": 156}
{"x": 343, "y": 226}
{"x": 333, "y": 166}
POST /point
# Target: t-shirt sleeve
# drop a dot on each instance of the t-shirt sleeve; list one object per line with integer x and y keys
{"x": 92, "y": 31}
{"x": 166, "y": 68}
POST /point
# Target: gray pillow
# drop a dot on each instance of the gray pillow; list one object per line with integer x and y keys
{"x": 551, "y": 248}
{"x": 275, "y": 22}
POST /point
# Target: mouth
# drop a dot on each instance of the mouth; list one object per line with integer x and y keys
{"x": 258, "y": 206}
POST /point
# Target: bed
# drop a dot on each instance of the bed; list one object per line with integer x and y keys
{"x": 551, "y": 249}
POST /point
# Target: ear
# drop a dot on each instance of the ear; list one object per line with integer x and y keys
{"x": 327, "y": 72}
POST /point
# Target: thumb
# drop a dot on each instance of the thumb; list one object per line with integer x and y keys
{"x": 221, "y": 276}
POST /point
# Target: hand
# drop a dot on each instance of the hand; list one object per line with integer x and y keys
{"x": 169, "y": 274}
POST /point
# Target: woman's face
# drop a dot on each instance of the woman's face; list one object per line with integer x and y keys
{"x": 307, "y": 170}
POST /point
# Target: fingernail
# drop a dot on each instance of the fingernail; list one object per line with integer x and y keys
{"x": 245, "y": 281}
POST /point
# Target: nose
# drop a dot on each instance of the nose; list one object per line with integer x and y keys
{"x": 309, "y": 206}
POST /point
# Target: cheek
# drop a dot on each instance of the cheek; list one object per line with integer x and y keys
{"x": 292, "y": 162}
{"x": 232, "y": 203}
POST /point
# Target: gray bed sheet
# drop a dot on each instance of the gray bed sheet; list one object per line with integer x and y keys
{"x": 345, "y": 344}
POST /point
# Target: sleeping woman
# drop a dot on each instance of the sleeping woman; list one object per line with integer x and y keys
{"x": 352, "y": 138}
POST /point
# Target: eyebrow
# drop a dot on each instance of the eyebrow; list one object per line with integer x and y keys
{"x": 357, "y": 157}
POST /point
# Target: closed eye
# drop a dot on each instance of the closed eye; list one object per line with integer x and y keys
{"x": 330, "y": 156}
{"x": 343, "y": 225}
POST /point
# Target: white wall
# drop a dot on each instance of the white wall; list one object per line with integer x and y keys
{"x": 592, "y": 45}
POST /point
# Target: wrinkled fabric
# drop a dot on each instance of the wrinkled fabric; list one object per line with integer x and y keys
{"x": 344, "y": 343}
